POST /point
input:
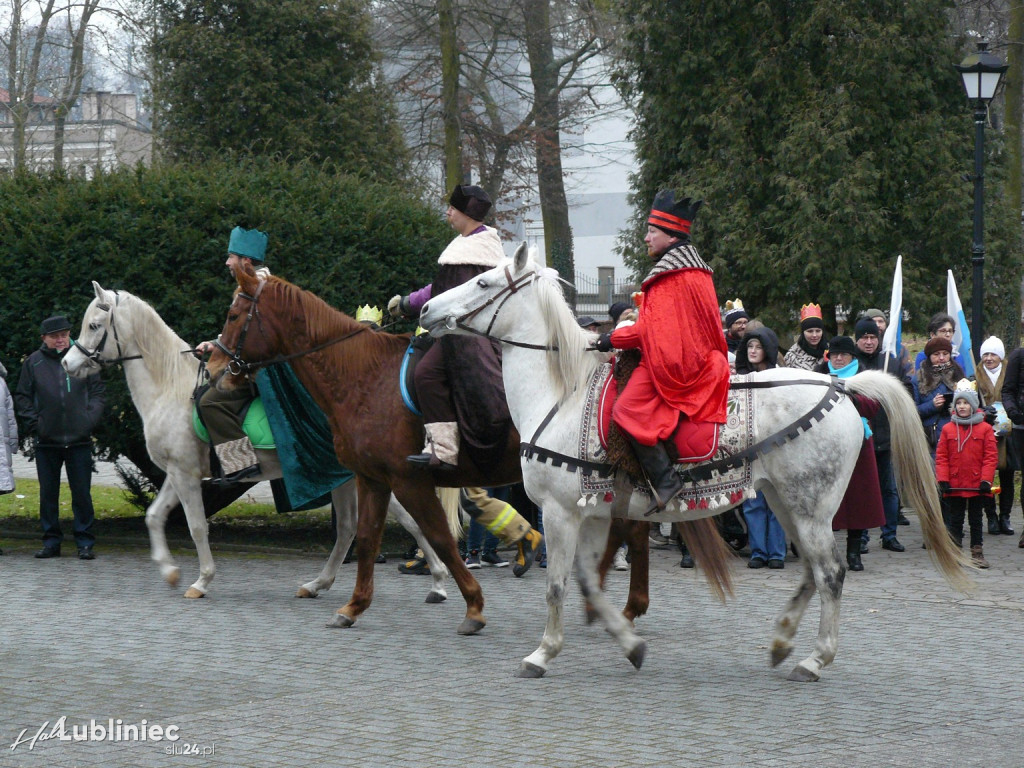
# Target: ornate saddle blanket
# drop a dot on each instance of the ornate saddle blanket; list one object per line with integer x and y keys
{"x": 702, "y": 443}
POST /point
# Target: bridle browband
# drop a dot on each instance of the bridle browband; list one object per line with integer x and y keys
{"x": 512, "y": 286}
{"x": 238, "y": 367}
{"x": 94, "y": 355}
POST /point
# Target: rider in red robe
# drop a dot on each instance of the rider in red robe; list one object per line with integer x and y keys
{"x": 684, "y": 367}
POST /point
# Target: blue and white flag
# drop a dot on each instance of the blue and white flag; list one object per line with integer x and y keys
{"x": 892, "y": 342}
{"x": 962, "y": 335}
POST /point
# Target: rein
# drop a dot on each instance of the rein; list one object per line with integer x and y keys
{"x": 238, "y": 367}
{"x": 94, "y": 355}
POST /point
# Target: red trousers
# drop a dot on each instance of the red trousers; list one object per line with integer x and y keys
{"x": 640, "y": 411}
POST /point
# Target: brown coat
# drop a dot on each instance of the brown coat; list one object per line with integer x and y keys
{"x": 990, "y": 393}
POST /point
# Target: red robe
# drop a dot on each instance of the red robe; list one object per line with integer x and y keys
{"x": 684, "y": 365}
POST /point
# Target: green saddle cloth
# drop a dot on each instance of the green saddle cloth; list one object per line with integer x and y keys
{"x": 256, "y": 426}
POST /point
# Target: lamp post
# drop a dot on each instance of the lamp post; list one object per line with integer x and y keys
{"x": 981, "y": 71}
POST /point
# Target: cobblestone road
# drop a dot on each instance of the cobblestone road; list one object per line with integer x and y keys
{"x": 251, "y": 676}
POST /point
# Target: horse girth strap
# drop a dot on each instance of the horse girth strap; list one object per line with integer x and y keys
{"x": 702, "y": 472}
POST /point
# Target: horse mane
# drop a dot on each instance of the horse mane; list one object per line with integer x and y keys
{"x": 160, "y": 346}
{"x": 323, "y": 323}
{"x": 573, "y": 363}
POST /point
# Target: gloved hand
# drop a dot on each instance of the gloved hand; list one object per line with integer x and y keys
{"x": 984, "y": 487}
{"x": 395, "y": 306}
{"x": 990, "y": 414}
{"x": 603, "y": 343}
{"x": 944, "y": 487}
{"x": 1015, "y": 416}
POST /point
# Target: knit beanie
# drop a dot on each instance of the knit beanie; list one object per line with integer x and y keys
{"x": 938, "y": 344}
{"x": 965, "y": 391}
{"x": 865, "y": 327}
{"x": 840, "y": 344}
{"x": 995, "y": 346}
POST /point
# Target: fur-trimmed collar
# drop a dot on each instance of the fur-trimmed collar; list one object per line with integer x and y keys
{"x": 480, "y": 249}
{"x": 678, "y": 257}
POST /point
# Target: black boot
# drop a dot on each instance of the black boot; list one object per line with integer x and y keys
{"x": 1004, "y": 525}
{"x": 853, "y": 561}
{"x": 665, "y": 483}
{"x": 993, "y": 524}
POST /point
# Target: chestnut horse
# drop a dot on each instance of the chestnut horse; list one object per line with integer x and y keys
{"x": 352, "y": 372}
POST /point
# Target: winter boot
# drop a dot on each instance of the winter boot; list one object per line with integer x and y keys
{"x": 1004, "y": 524}
{"x": 665, "y": 483}
{"x": 853, "y": 561}
{"x": 441, "y": 450}
{"x": 993, "y": 523}
{"x": 978, "y": 557}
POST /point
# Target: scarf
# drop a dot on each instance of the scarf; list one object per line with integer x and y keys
{"x": 846, "y": 371}
{"x": 815, "y": 352}
{"x": 993, "y": 375}
{"x": 929, "y": 376}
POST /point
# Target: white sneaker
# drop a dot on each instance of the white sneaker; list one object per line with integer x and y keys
{"x": 619, "y": 563}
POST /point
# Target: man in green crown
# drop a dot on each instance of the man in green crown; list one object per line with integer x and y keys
{"x": 223, "y": 412}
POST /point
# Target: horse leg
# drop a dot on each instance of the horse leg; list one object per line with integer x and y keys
{"x": 616, "y": 535}
{"x": 639, "y": 569}
{"x": 438, "y": 571}
{"x": 189, "y": 489}
{"x": 156, "y": 522}
{"x": 418, "y": 497}
{"x": 345, "y": 502}
{"x": 593, "y": 533}
{"x": 561, "y": 533}
{"x": 823, "y": 572}
{"x": 373, "y": 503}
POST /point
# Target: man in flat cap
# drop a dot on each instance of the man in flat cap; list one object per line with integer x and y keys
{"x": 61, "y": 411}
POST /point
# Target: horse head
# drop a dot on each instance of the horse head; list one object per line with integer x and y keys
{"x": 98, "y": 340}
{"x": 249, "y": 337}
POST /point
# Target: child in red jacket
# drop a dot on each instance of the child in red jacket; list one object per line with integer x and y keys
{"x": 965, "y": 465}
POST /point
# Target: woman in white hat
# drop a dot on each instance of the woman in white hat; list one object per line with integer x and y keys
{"x": 990, "y": 386}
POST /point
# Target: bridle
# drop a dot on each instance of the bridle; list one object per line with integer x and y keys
{"x": 511, "y": 287}
{"x": 239, "y": 367}
{"x": 94, "y": 355}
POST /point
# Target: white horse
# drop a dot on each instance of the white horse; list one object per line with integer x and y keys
{"x": 546, "y": 361}
{"x": 161, "y": 374}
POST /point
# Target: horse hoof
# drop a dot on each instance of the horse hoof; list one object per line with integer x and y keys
{"x": 436, "y": 597}
{"x": 589, "y": 614}
{"x": 303, "y": 592}
{"x": 173, "y": 576}
{"x": 780, "y": 653}
{"x": 192, "y": 593}
{"x": 636, "y": 656}
{"x": 530, "y": 671}
{"x": 802, "y": 674}
{"x": 340, "y": 621}
{"x": 471, "y": 626}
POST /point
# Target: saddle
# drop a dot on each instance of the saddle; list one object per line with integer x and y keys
{"x": 418, "y": 346}
{"x": 254, "y": 423}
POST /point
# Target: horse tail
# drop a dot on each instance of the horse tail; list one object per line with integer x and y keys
{"x": 915, "y": 475}
{"x": 449, "y": 498}
{"x": 710, "y": 552}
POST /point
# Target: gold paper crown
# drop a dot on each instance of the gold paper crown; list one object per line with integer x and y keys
{"x": 733, "y": 304}
{"x": 368, "y": 314}
{"x": 810, "y": 310}
{"x": 965, "y": 384}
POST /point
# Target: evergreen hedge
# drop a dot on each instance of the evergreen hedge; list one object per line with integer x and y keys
{"x": 162, "y": 232}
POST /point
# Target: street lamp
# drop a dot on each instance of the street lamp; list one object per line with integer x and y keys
{"x": 981, "y": 71}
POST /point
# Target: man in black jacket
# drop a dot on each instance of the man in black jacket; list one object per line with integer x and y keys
{"x": 61, "y": 412}
{"x": 1013, "y": 401}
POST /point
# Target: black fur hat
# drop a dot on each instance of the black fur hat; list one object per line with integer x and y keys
{"x": 471, "y": 200}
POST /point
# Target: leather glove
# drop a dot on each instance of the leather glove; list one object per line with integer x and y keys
{"x": 603, "y": 343}
{"x": 984, "y": 487}
{"x": 1015, "y": 416}
{"x": 395, "y": 306}
{"x": 944, "y": 487}
{"x": 990, "y": 414}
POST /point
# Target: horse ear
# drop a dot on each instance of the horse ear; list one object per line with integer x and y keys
{"x": 519, "y": 260}
{"x": 101, "y": 293}
{"x": 246, "y": 277}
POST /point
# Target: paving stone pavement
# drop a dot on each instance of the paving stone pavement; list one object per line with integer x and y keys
{"x": 250, "y": 675}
